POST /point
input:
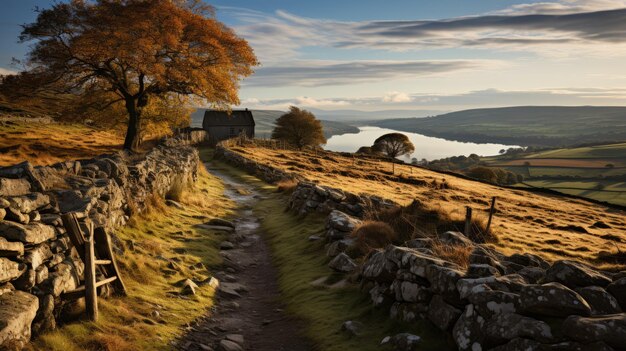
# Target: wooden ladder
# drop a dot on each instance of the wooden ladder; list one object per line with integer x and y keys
{"x": 96, "y": 252}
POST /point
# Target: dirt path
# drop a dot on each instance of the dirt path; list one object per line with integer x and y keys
{"x": 248, "y": 302}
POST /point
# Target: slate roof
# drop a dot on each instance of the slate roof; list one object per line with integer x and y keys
{"x": 222, "y": 118}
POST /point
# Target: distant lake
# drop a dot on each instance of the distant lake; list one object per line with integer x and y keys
{"x": 426, "y": 147}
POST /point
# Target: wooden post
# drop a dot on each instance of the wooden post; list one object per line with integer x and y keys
{"x": 492, "y": 210}
{"x": 468, "y": 221}
{"x": 91, "y": 291}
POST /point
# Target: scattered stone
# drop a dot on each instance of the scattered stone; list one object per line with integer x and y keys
{"x": 342, "y": 263}
{"x": 221, "y": 223}
{"x": 403, "y": 341}
{"x": 378, "y": 268}
{"x": 227, "y": 345}
{"x": 574, "y": 275}
{"x": 353, "y": 328}
{"x": 552, "y": 299}
{"x": 16, "y": 316}
{"x": 189, "y": 287}
{"x": 609, "y": 329}
{"x": 601, "y": 302}
{"x": 341, "y": 221}
{"x": 314, "y": 238}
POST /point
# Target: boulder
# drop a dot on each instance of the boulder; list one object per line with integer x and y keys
{"x": 341, "y": 221}
{"x": 609, "y": 329}
{"x": 342, "y": 263}
{"x": 65, "y": 278}
{"x": 339, "y": 246}
{"x": 443, "y": 282}
{"x": 410, "y": 292}
{"x": 29, "y": 202}
{"x": 493, "y": 302}
{"x": 468, "y": 330}
{"x": 552, "y": 299}
{"x": 532, "y": 274}
{"x": 508, "y": 326}
{"x": 480, "y": 270}
{"x": 10, "y": 249}
{"x": 574, "y": 275}
{"x": 9, "y": 270}
{"x": 378, "y": 268}
{"x": 402, "y": 342}
{"x": 442, "y": 314}
{"x": 618, "y": 290}
{"x": 14, "y": 187}
{"x": 600, "y": 300}
{"x": 527, "y": 259}
{"x": 32, "y": 233}
{"x": 352, "y": 328}
{"x": 455, "y": 238}
{"x": 16, "y": 316}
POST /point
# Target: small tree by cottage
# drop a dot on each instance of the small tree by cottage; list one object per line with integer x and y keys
{"x": 393, "y": 145}
{"x": 299, "y": 128}
{"x": 130, "y": 52}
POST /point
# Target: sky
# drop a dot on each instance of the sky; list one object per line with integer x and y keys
{"x": 424, "y": 55}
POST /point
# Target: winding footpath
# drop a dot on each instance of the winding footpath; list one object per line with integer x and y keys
{"x": 248, "y": 314}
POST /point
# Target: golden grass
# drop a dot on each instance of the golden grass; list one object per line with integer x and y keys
{"x": 373, "y": 235}
{"x": 152, "y": 239}
{"x": 552, "y": 226}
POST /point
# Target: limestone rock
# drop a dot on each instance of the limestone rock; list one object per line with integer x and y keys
{"x": 227, "y": 345}
{"x": 601, "y": 302}
{"x": 342, "y": 263}
{"x": 527, "y": 259}
{"x": 16, "y": 315}
{"x": 455, "y": 238}
{"x": 553, "y": 299}
{"x": 378, "y": 268}
{"x": 10, "y": 249}
{"x": 410, "y": 292}
{"x": 38, "y": 255}
{"x": 443, "y": 282}
{"x": 532, "y": 274}
{"x": 618, "y": 290}
{"x": 339, "y": 246}
{"x": 341, "y": 221}
{"x": 573, "y": 275}
{"x": 32, "y": 233}
{"x": 26, "y": 281}
{"x": 352, "y": 328}
{"x": 493, "y": 302}
{"x": 14, "y": 187}
{"x": 507, "y": 326}
{"x": 9, "y": 270}
{"x": 13, "y": 214}
{"x": 480, "y": 270}
{"x": 226, "y": 245}
{"x": 442, "y": 314}
{"x": 468, "y": 330}
{"x": 29, "y": 202}
{"x": 189, "y": 287}
{"x": 610, "y": 329}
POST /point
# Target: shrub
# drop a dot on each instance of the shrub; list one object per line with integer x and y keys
{"x": 373, "y": 234}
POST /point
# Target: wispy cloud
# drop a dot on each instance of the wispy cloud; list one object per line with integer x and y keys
{"x": 315, "y": 73}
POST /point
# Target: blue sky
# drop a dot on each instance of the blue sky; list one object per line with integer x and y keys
{"x": 415, "y": 54}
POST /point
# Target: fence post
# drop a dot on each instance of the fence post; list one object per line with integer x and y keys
{"x": 492, "y": 210}
{"x": 468, "y": 221}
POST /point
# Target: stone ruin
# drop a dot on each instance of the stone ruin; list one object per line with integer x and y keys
{"x": 37, "y": 260}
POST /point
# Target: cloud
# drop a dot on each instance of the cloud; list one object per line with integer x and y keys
{"x": 315, "y": 73}
{"x": 396, "y": 96}
{"x": 311, "y": 102}
{"x": 531, "y": 27}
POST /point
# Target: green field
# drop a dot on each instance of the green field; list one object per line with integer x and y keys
{"x": 612, "y": 192}
{"x": 617, "y": 151}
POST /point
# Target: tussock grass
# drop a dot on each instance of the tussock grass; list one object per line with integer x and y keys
{"x": 287, "y": 185}
{"x": 150, "y": 242}
{"x": 373, "y": 235}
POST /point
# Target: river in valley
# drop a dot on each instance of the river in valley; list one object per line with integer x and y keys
{"x": 426, "y": 147}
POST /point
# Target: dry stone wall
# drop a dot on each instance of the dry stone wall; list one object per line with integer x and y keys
{"x": 497, "y": 302}
{"x": 37, "y": 261}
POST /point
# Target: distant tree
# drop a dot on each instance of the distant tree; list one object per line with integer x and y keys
{"x": 502, "y": 151}
{"x": 299, "y": 128}
{"x": 483, "y": 173}
{"x": 520, "y": 178}
{"x": 394, "y": 145}
{"x": 414, "y": 161}
{"x": 365, "y": 150}
{"x": 128, "y": 52}
{"x": 609, "y": 165}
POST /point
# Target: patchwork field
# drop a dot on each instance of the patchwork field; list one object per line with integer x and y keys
{"x": 555, "y": 227}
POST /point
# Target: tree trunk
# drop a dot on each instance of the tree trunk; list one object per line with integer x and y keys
{"x": 133, "y": 132}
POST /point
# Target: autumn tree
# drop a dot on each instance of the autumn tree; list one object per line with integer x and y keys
{"x": 299, "y": 128}
{"x": 393, "y": 145}
{"x": 136, "y": 54}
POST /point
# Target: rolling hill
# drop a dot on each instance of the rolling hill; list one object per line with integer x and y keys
{"x": 526, "y": 125}
{"x": 265, "y": 123}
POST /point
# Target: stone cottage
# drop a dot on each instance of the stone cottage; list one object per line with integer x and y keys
{"x": 220, "y": 125}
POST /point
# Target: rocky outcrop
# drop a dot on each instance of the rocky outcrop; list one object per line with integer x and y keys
{"x": 36, "y": 255}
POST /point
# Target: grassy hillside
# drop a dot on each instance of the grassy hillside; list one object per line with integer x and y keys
{"x": 265, "y": 119}
{"x": 544, "y": 126}
{"x": 552, "y": 226}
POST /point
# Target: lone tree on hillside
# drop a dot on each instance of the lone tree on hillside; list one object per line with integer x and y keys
{"x": 130, "y": 52}
{"x": 299, "y": 128}
{"x": 393, "y": 145}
